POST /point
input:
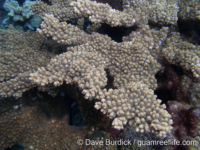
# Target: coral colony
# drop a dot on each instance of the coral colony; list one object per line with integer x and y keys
{"x": 70, "y": 85}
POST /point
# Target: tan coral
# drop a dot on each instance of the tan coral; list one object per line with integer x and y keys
{"x": 182, "y": 53}
{"x": 80, "y": 23}
{"x": 134, "y": 11}
{"x": 59, "y": 8}
{"x": 136, "y": 104}
{"x": 93, "y": 28}
{"x": 100, "y": 13}
{"x": 131, "y": 63}
{"x": 78, "y": 67}
{"x": 127, "y": 61}
{"x": 189, "y": 10}
{"x": 62, "y": 32}
{"x": 130, "y": 60}
{"x": 20, "y": 55}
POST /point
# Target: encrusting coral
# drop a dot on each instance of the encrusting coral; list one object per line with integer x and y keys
{"x": 38, "y": 124}
{"x": 186, "y": 119}
{"x": 95, "y": 118}
{"x": 186, "y": 123}
{"x": 18, "y": 12}
{"x": 174, "y": 84}
{"x": 38, "y": 121}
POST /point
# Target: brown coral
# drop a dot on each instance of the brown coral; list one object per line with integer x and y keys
{"x": 189, "y": 10}
{"x": 129, "y": 62}
{"x": 182, "y": 53}
{"x": 20, "y": 55}
{"x": 186, "y": 121}
{"x": 137, "y": 105}
{"x": 139, "y": 12}
{"x": 26, "y": 123}
{"x": 59, "y": 8}
{"x": 132, "y": 63}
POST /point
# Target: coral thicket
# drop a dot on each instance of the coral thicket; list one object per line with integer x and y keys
{"x": 20, "y": 55}
{"x": 113, "y": 87}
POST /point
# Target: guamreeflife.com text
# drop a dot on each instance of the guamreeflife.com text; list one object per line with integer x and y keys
{"x": 138, "y": 142}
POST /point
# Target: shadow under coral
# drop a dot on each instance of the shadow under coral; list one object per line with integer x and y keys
{"x": 38, "y": 121}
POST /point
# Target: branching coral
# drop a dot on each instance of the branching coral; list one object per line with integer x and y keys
{"x": 74, "y": 68}
{"x": 189, "y": 10}
{"x": 59, "y": 8}
{"x": 182, "y": 53}
{"x": 137, "y": 105}
{"x": 20, "y": 55}
{"x": 134, "y": 11}
{"x": 108, "y": 15}
{"x": 89, "y": 59}
{"x": 132, "y": 63}
{"x": 128, "y": 62}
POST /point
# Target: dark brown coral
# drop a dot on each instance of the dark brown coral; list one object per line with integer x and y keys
{"x": 176, "y": 84}
{"x": 39, "y": 123}
{"x": 186, "y": 120}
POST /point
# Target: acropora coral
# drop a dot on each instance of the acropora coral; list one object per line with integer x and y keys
{"x": 73, "y": 61}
